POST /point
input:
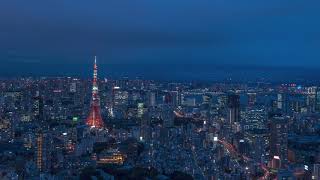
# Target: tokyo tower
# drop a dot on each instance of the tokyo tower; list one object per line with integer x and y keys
{"x": 94, "y": 120}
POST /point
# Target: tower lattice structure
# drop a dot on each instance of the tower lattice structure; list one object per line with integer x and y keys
{"x": 94, "y": 120}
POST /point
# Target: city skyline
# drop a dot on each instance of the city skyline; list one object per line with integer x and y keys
{"x": 168, "y": 72}
{"x": 86, "y": 129}
{"x": 161, "y": 90}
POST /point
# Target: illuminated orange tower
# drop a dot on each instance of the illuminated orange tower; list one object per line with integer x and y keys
{"x": 94, "y": 120}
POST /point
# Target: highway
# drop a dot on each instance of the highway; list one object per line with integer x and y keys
{"x": 236, "y": 154}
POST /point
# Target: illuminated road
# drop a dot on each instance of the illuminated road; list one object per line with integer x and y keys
{"x": 235, "y": 154}
{"x": 178, "y": 114}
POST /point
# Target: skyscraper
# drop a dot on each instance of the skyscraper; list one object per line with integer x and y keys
{"x": 37, "y": 108}
{"x": 318, "y": 100}
{"x": 94, "y": 119}
{"x": 279, "y": 139}
{"x": 280, "y": 101}
{"x": 40, "y": 151}
{"x": 233, "y": 108}
{"x": 316, "y": 171}
{"x": 151, "y": 98}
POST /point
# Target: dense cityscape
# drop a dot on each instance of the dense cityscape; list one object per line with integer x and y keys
{"x": 101, "y": 128}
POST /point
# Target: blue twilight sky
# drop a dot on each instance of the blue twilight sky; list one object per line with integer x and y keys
{"x": 218, "y": 32}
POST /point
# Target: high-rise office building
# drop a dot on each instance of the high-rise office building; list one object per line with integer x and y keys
{"x": 282, "y": 102}
{"x": 179, "y": 97}
{"x": 167, "y": 115}
{"x": 37, "y": 107}
{"x": 175, "y": 96}
{"x": 233, "y": 108}
{"x": 311, "y": 99}
{"x": 279, "y": 139}
{"x": 317, "y": 108}
{"x": 279, "y": 101}
{"x": 73, "y": 87}
{"x": 152, "y": 98}
{"x": 39, "y": 152}
{"x": 316, "y": 171}
{"x": 141, "y": 110}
